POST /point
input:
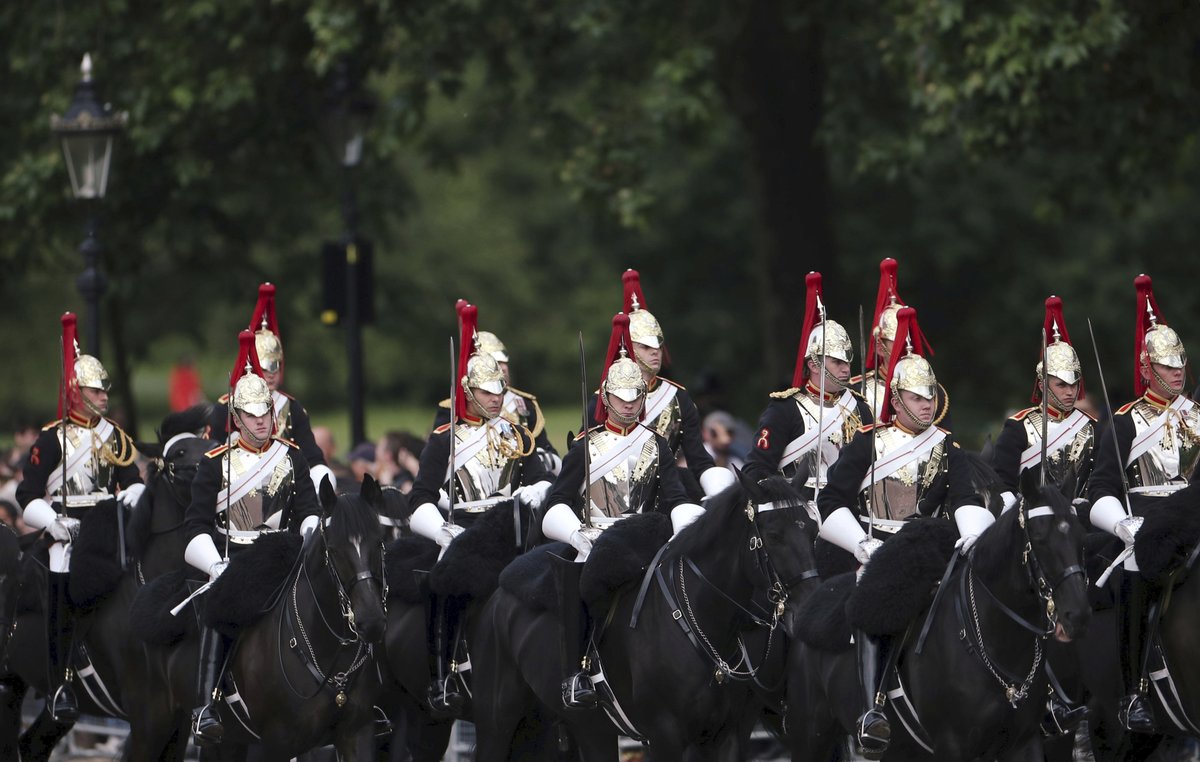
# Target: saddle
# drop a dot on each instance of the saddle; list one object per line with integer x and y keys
{"x": 1166, "y": 540}
{"x": 821, "y": 621}
{"x": 472, "y": 564}
{"x": 247, "y": 589}
{"x": 95, "y": 557}
{"x": 150, "y": 618}
{"x": 406, "y": 557}
{"x": 901, "y": 577}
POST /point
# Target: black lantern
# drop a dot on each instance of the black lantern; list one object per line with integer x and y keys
{"x": 87, "y": 132}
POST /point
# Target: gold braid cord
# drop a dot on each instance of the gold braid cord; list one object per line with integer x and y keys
{"x": 120, "y": 451}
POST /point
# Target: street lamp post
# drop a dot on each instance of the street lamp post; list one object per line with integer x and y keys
{"x": 87, "y": 132}
{"x": 350, "y": 111}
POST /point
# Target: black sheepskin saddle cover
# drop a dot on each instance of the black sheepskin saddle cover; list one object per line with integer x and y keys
{"x": 1168, "y": 536}
{"x": 247, "y": 588}
{"x": 899, "y": 580}
{"x": 150, "y": 617}
{"x": 530, "y": 577}
{"x": 408, "y": 559}
{"x": 472, "y": 564}
{"x": 822, "y": 619}
{"x": 95, "y": 556}
{"x": 620, "y": 556}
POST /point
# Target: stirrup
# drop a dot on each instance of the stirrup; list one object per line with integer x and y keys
{"x": 382, "y": 726}
{"x": 1061, "y": 718}
{"x": 1136, "y": 715}
{"x": 445, "y": 698}
{"x": 63, "y": 706}
{"x": 578, "y": 693}
{"x": 874, "y": 733}
{"x": 206, "y": 726}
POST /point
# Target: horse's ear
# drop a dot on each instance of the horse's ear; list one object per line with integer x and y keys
{"x": 1030, "y": 485}
{"x": 153, "y": 450}
{"x": 328, "y": 496}
{"x": 748, "y": 484}
{"x": 371, "y": 492}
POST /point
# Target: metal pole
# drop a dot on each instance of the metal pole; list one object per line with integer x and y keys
{"x": 353, "y": 319}
{"x": 91, "y": 282}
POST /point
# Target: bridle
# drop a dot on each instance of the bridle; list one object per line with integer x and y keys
{"x": 1037, "y": 574}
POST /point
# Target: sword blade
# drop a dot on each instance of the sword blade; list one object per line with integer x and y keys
{"x": 587, "y": 450}
{"x": 1108, "y": 410}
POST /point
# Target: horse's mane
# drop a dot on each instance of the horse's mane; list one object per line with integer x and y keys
{"x": 353, "y": 517}
{"x": 712, "y": 528}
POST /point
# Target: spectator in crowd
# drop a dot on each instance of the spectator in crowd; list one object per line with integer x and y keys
{"x": 397, "y": 459}
{"x": 718, "y": 432}
{"x": 12, "y": 517}
{"x": 362, "y": 462}
{"x": 324, "y": 438}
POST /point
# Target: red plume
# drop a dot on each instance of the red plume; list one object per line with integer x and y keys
{"x": 68, "y": 393}
{"x": 468, "y": 317}
{"x": 247, "y": 352}
{"x": 1145, "y": 303}
{"x": 1054, "y": 317}
{"x": 265, "y": 310}
{"x": 632, "y": 283}
{"x": 906, "y": 328}
{"x": 619, "y": 338}
{"x": 887, "y": 291}
{"x": 811, "y": 318}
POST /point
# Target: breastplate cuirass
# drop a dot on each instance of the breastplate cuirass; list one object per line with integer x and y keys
{"x": 265, "y": 498}
{"x": 97, "y": 471}
{"x": 1174, "y": 456}
{"x": 628, "y": 486}
{"x": 494, "y": 469}
{"x": 283, "y": 420}
{"x": 875, "y": 391}
{"x": 1070, "y": 463}
{"x": 898, "y": 495}
{"x": 669, "y": 424}
{"x": 820, "y": 458}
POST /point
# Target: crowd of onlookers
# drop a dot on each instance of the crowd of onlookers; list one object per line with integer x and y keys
{"x": 393, "y": 460}
{"x": 12, "y": 465}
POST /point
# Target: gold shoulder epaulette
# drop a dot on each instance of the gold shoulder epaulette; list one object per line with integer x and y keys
{"x": 785, "y": 393}
{"x": 440, "y": 429}
{"x": 289, "y": 443}
{"x": 521, "y": 393}
{"x": 216, "y": 452}
{"x": 123, "y": 450}
{"x": 857, "y": 393}
{"x": 868, "y": 427}
{"x": 856, "y": 379}
{"x": 1125, "y": 408}
{"x": 1020, "y": 414}
{"x": 445, "y": 404}
{"x": 52, "y": 424}
{"x": 224, "y": 399}
{"x": 945, "y": 431}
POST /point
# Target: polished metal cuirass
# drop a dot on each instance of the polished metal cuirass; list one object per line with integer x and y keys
{"x": 493, "y": 470}
{"x": 261, "y": 502}
{"x": 97, "y": 471}
{"x": 875, "y": 391}
{"x": 1173, "y": 458}
{"x": 283, "y": 420}
{"x": 897, "y": 496}
{"x": 1070, "y": 463}
{"x": 669, "y": 424}
{"x": 628, "y": 486}
{"x": 819, "y": 459}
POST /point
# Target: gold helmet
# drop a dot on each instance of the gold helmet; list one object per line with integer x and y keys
{"x": 643, "y": 326}
{"x": 624, "y": 379}
{"x": 908, "y": 370}
{"x": 818, "y": 334}
{"x": 1062, "y": 362}
{"x": 885, "y": 327}
{"x": 1156, "y": 342}
{"x": 831, "y": 337}
{"x": 622, "y": 376}
{"x": 250, "y": 391}
{"x": 266, "y": 330}
{"x": 483, "y": 372}
{"x": 491, "y": 344}
{"x": 90, "y": 374}
{"x": 477, "y": 369}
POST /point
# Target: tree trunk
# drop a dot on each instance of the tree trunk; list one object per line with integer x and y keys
{"x": 773, "y": 76}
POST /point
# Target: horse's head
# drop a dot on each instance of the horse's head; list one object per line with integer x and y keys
{"x": 352, "y": 544}
{"x": 10, "y": 584}
{"x": 1054, "y": 558}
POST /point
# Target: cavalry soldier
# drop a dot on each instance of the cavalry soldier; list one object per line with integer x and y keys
{"x": 291, "y": 419}
{"x": 873, "y": 384}
{"x": 237, "y": 487}
{"x": 76, "y": 462}
{"x": 519, "y": 407}
{"x": 1070, "y": 433}
{"x": 625, "y": 467}
{"x": 670, "y": 410}
{"x": 1158, "y": 438}
{"x": 494, "y": 462}
{"x": 900, "y": 468}
{"x": 787, "y": 440}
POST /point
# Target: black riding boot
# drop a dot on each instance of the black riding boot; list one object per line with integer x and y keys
{"x": 62, "y": 704}
{"x": 1135, "y": 712}
{"x": 206, "y": 720}
{"x": 445, "y": 698}
{"x": 874, "y": 731}
{"x": 577, "y": 690}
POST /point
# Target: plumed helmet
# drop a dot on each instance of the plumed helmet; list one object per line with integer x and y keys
{"x": 265, "y": 325}
{"x": 888, "y": 304}
{"x": 908, "y": 370}
{"x": 1155, "y": 342}
{"x": 250, "y": 391}
{"x": 833, "y": 337}
{"x": 643, "y": 326}
{"x": 483, "y": 372}
{"x": 491, "y": 344}
{"x": 1062, "y": 362}
{"x": 622, "y": 377}
{"x": 477, "y": 369}
{"x": 90, "y": 374}
{"x": 818, "y": 333}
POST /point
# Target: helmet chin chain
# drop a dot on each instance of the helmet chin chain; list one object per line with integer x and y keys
{"x": 90, "y": 406}
{"x": 1170, "y": 390}
{"x": 244, "y": 430}
{"x": 1058, "y": 404}
{"x": 917, "y": 422}
{"x": 483, "y": 413}
{"x": 630, "y": 419}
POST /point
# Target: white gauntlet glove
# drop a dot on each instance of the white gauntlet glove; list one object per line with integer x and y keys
{"x": 63, "y": 529}
{"x": 319, "y": 472}
{"x": 865, "y": 547}
{"x": 309, "y": 524}
{"x": 428, "y": 522}
{"x": 581, "y": 540}
{"x": 532, "y": 495}
{"x": 1127, "y": 528}
{"x": 202, "y": 554}
{"x": 971, "y": 521}
{"x": 215, "y": 570}
{"x": 715, "y": 479}
{"x": 131, "y": 494}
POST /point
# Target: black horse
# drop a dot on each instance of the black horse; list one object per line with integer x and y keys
{"x": 679, "y": 687}
{"x": 976, "y": 683}
{"x": 305, "y": 671}
{"x": 103, "y": 636}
